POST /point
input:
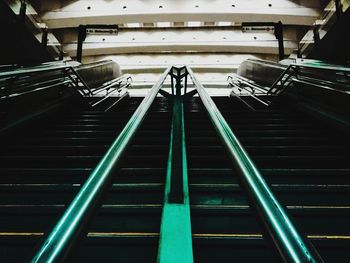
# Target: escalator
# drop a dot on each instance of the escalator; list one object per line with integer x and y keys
{"x": 43, "y": 168}
{"x": 225, "y": 228}
{"x": 305, "y": 162}
{"x": 43, "y": 171}
{"x": 54, "y": 208}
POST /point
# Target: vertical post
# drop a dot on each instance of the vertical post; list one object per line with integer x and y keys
{"x": 22, "y": 12}
{"x": 172, "y": 83}
{"x": 299, "y": 52}
{"x": 81, "y": 39}
{"x": 185, "y": 83}
{"x": 61, "y": 57}
{"x": 44, "y": 37}
{"x": 338, "y": 8}
{"x": 316, "y": 35}
{"x": 279, "y": 36}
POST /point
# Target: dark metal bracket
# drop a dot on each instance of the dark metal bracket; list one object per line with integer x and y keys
{"x": 82, "y": 36}
{"x": 22, "y": 12}
{"x": 338, "y": 8}
{"x": 190, "y": 94}
{"x": 177, "y": 76}
{"x": 44, "y": 37}
{"x": 278, "y": 33}
{"x": 166, "y": 94}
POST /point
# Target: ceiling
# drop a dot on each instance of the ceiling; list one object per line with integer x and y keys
{"x": 205, "y": 34}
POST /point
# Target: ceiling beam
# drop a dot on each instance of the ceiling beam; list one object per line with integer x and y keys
{"x": 71, "y": 13}
{"x": 179, "y": 40}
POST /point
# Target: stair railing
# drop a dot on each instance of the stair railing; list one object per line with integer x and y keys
{"x": 322, "y": 25}
{"x": 289, "y": 243}
{"x": 312, "y": 72}
{"x": 335, "y": 78}
{"x": 18, "y": 81}
{"x": 72, "y": 225}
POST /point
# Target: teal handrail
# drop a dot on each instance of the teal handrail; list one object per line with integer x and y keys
{"x": 59, "y": 242}
{"x": 288, "y": 241}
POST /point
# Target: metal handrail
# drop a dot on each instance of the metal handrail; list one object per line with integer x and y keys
{"x": 112, "y": 83}
{"x": 318, "y": 64}
{"x": 30, "y": 70}
{"x": 49, "y": 86}
{"x": 321, "y": 84}
{"x": 25, "y": 80}
{"x": 308, "y": 64}
{"x": 252, "y": 85}
{"x": 290, "y": 244}
{"x": 60, "y": 241}
{"x": 298, "y": 72}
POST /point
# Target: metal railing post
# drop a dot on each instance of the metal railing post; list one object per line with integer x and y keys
{"x": 44, "y": 37}
{"x": 338, "y": 8}
{"x": 22, "y": 12}
{"x": 81, "y": 39}
{"x": 280, "y": 38}
{"x": 316, "y": 32}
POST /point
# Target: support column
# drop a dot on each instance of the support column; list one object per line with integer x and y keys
{"x": 279, "y": 36}
{"x": 338, "y": 8}
{"x": 22, "y": 12}
{"x": 316, "y": 34}
{"x": 81, "y": 39}
{"x": 44, "y": 37}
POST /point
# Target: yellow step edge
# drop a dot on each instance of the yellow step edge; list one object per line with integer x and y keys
{"x": 95, "y": 234}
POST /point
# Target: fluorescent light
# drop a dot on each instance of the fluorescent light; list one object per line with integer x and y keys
{"x": 133, "y": 24}
{"x": 163, "y": 24}
{"x": 194, "y": 23}
{"x": 224, "y": 23}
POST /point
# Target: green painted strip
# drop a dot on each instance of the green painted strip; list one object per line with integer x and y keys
{"x": 290, "y": 244}
{"x": 68, "y": 229}
{"x": 175, "y": 242}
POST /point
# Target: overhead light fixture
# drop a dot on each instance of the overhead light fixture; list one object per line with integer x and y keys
{"x": 224, "y": 23}
{"x": 163, "y": 24}
{"x": 194, "y": 23}
{"x": 132, "y": 25}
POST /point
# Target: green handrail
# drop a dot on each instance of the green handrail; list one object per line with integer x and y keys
{"x": 69, "y": 228}
{"x": 288, "y": 241}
